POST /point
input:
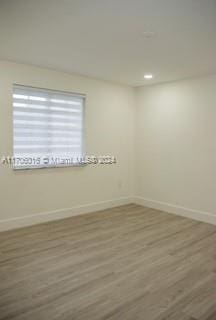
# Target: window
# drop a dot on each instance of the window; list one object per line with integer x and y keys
{"x": 48, "y": 128}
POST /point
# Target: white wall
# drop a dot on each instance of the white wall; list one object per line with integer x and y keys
{"x": 170, "y": 128}
{"x": 176, "y": 147}
{"x": 109, "y": 130}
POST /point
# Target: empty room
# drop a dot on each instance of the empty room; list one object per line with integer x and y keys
{"x": 107, "y": 160}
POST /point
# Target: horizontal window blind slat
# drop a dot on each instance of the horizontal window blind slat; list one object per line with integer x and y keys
{"x": 47, "y": 150}
{"x": 47, "y": 109}
{"x": 45, "y": 102}
{"x": 50, "y": 146}
{"x": 53, "y": 153}
{"x": 46, "y": 144}
{"x": 43, "y": 97}
{"x": 48, "y": 117}
{"x": 46, "y": 131}
{"x": 44, "y": 123}
{"x": 20, "y": 140}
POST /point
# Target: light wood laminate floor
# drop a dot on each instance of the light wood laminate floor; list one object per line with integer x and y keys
{"x": 125, "y": 263}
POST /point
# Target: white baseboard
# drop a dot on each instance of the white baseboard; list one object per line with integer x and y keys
{"x": 178, "y": 210}
{"x": 29, "y": 220}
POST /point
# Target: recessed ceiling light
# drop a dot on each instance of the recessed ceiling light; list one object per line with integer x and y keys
{"x": 148, "y": 76}
{"x": 148, "y": 34}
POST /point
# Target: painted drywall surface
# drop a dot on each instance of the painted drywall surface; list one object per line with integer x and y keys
{"x": 176, "y": 143}
{"x": 109, "y": 130}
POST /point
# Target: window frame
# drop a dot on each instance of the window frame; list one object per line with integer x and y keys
{"x": 83, "y": 133}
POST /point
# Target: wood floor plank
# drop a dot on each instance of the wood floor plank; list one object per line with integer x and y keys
{"x": 128, "y": 262}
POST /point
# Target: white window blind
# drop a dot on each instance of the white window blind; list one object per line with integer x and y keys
{"x": 48, "y": 128}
